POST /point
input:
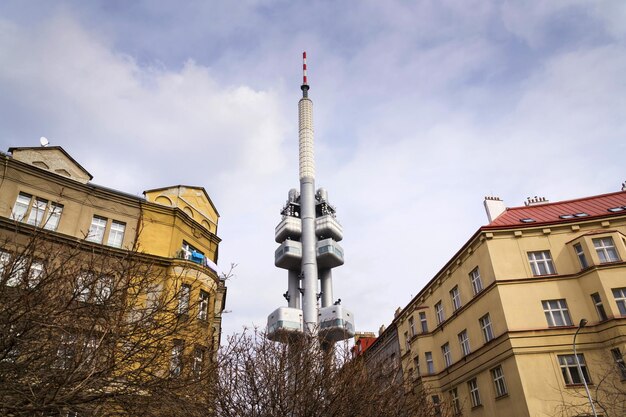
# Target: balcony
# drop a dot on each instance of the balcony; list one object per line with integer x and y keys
{"x": 328, "y": 226}
{"x": 336, "y": 323}
{"x": 284, "y": 324}
{"x": 329, "y": 254}
{"x": 289, "y": 255}
{"x": 289, "y": 227}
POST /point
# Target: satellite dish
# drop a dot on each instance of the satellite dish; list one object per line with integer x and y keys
{"x": 44, "y": 142}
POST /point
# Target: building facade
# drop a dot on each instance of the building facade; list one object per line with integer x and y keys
{"x": 171, "y": 233}
{"x": 492, "y": 333}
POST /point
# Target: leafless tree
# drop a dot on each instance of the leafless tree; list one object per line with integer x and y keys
{"x": 93, "y": 331}
{"x": 262, "y": 378}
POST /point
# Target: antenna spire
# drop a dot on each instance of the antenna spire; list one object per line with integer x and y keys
{"x": 305, "y": 85}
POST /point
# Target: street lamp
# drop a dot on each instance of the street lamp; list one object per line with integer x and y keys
{"x": 583, "y": 323}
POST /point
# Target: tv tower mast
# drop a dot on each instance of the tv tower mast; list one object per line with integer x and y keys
{"x": 308, "y": 234}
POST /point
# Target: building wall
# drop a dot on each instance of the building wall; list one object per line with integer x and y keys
{"x": 524, "y": 344}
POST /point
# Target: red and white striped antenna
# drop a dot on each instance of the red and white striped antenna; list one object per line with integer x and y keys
{"x": 304, "y": 81}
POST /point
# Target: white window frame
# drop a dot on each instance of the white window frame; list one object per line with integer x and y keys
{"x": 582, "y": 258}
{"x": 472, "y": 387}
{"x": 184, "y": 297}
{"x": 116, "y": 234}
{"x": 407, "y": 341}
{"x": 21, "y": 206}
{"x": 37, "y": 211}
{"x": 416, "y": 364}
{"x": 412, "y": 326}
{"x": 597, "y": 302}
{"x": 620, "y": 299}
{"x": 423, "y": 322}
{"x": 464, "y": 342}
{"x": 454, "y": 399}
{"x": 486, "y": 327}
{"x": 54, "y": 217}
{"x": 199, "y": 354}
{"x": 557, "y": 313}
{"x": 203, "y": 305}
{"x": 477, "y": 283}
{"x": 97, "y": 229}
{"x": 447, "y": 355}
{"x": 441, "y": 316}
{"x": 455, "y": 295}
{"x": 430, "y": 363}
{"x": 499, "y": 383}
{"x": 541, "y": 263}
{"x": 618, "y": 358}
{"x": 606, "y": 250}
{"x": 569, "y": 369}
{"x": 176, "y": 359}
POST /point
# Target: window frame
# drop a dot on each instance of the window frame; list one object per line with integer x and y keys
{"x": 423, "y": 321}
{"x": 499, "y": 382}
{"x": 447, "y": 355}
{"x": 476, "y": 281}
{"x": 97, "y": 230}
{"x": 618, "y": 359}
{"x": 597, "y": 302}
{"x": 203, "y": 305}
{"x": 487, "y": 328}
{"x": 580, "y": 253}
{"x": 472, "y": 387}
{"x": 430, "y": 363}
{"x": 464, "y": 342}
{"x": 560, "y": 312}
{"x": 439, "y": 312}
{"x": 412, "y": 331}
{"x": 454, "y": 399}
{"x": 568, "y": 365}
{"x": 619, "y": 295}
{"x": 184, "y": 299}
{"x": 455, "y": 296}
{"x": 115, "y": 234}
{"x": 176, "y": 358}
{"x": 607, "y": 252}
{"x": 37, "y": 211}
{"x": 539, "y": 265}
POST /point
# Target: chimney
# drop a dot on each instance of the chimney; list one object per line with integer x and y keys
{"x": 533, "y": 201}
{"x": 381, "y": 329}
{"x": 494, "y": 207}
{"x": 624, "y": 186}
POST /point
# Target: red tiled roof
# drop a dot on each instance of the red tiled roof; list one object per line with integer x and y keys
{"x": 594, "y": 206}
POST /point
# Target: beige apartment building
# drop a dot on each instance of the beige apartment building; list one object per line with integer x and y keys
{"x": 491, "y": 334}
{"x": 45, "y": 193}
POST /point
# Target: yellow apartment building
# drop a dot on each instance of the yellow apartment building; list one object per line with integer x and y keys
{"x": 492, "y": 333}
{"x": 45, "y": 192}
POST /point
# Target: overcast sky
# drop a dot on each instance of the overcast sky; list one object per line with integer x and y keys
{"x": 421, "y": 108}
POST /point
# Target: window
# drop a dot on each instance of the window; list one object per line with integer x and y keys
{"x": 477, "y": 284}
{"x": 619, "y": 362}
{"x": 66, "y": 352}
{"x": 606, "y": 249}
{"x": 423, "y": 322}
{"x": 93, "y": 288}
{"x": 34, "y": 273}
{"x": 439, "y": 313}
{"x": 556, "y": 313}
{"x": 183, "y": 298}
{"x": 198, "y": 360}
{"x": 412, "y": 326}
{"x": 430, "y": 365}
{"x": 176, "y": 361}
{"x": 20, "y": 271}
{"x": 203, "y": 305}
{"x": 570, "y": 369}
{"x": 96, "y": 230}
{"x": 454, "y": 399}
{"x": 407, "y": 341}
{"x": 456, "y": 298}
{"x": 464, "y": 342}
{"x": 116, "y": 234}
{"x": 485, "y": 325}
{"x": 541, "y": 263}
{"x": 472, "y": 387}
{"x": 436, "y": 405}
{"x": 498, "y": 381}
{"x": 620, "y": 299}
{"x": 581, "y": 256}
{"x": 597, "y": 301}
{"x": 416, "y": 365}
{"x": 447, "y": 356}
{"x": 37, "y": 211}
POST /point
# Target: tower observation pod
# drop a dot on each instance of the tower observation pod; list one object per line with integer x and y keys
{"x": 308, "y": 235}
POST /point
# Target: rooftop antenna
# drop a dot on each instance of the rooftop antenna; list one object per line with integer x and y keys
{"x": 44, "y": 142}
{"x": 305, "y": 85}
